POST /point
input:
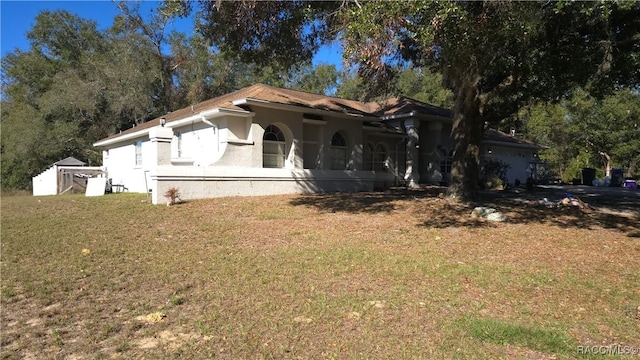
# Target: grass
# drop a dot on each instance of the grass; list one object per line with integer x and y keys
{"x": 535, "y": 338}
{"x": 404, "y": 275}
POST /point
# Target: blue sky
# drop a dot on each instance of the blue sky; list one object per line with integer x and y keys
{"x": 17, "y": 18}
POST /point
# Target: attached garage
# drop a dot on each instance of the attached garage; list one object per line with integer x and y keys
{"x": 519, "y": 154}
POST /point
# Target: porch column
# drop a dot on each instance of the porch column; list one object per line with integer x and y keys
{"x": 431, "y": 156}
{"x": 160, "y": 152}
{"x": 160, "y": 138}
{"x": 412, "y": 173}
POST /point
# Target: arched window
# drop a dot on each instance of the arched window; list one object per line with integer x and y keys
{"x": 380, "y": 159}
{"x": 338, "y": 152}
{"x": 273, "y": 148}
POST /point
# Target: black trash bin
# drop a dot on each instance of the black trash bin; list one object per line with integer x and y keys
{"x": 588, "y": 175}
{"x": 617, "y": 177}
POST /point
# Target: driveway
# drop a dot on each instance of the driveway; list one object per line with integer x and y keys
{"x": 614, "y": 197}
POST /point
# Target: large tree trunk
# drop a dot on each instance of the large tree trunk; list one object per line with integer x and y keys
{"x": 467, "y": 132}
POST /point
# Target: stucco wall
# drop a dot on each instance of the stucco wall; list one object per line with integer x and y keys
{"x": 517, "y": 158}
{"x": 120, "y": 165}
{"x": 199, "y": 146}
{"x": 210, "y": 182}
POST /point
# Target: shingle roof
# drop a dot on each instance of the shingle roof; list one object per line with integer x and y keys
{"x": 265, "y": 93}
{"x": 492, "y": 135}
{"x": 406, "y": 105}
{"x": 70, "y": 161}
{"x": 394, "y": 106}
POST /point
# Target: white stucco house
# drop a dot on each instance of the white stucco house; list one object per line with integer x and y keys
{"x": 264, "y": 140}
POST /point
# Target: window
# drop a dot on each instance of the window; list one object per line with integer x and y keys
{"x": 445, "y": 161}
{"x": 380, "y": 158}
{"x": 338, "y": 152}
{"x": 138, "y": 153}
{"x": 273, "y": 148}
{"x": 179, "y": 140}
{"x": 369, "y": 156}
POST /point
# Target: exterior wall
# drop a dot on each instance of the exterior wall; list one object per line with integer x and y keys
{"x": 119, "y": 163}
{"x": 314, "y": 138}
{"x": 517, "y": 158}
{"x": 199, "y": 144}
{"x": 290, "y": 123}
{"x": 210, "y": 182}
{"x": 352, "y": 130}
{"x": 223, "y": 157}
{"x": 46, "y": 183}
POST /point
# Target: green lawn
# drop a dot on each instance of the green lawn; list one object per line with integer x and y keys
{"x": 325, "y": 276}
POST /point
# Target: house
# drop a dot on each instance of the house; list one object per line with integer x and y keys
{"x": 264, "y": 140}
{"x": 69, "y": 174}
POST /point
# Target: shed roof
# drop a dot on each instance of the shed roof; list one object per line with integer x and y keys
{"x": 69, "y": 161}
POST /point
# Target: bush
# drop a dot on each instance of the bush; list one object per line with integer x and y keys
{"x": 173, "y": 194}
{"x": 493, "y": 174}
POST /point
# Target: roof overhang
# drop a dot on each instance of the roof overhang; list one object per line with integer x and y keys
{"x": 298, "y": 108}
{"x": 202, "y": 116}
{"x": 383, "y": 131}
{"x": 418, "y": 116}
{"x": 513, "y": 145}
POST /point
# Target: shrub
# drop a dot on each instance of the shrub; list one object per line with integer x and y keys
{"x": 173, "y": 194}
{"x": 493, "y": 174}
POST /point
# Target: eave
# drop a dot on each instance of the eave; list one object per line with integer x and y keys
{"x": 202, "y": 116}
{"x": 303, "y": 109}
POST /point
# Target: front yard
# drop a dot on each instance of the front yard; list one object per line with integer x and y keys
{"x": 370, "y": 275}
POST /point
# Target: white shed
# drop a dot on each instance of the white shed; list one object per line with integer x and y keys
{"x": 64, "y": 175}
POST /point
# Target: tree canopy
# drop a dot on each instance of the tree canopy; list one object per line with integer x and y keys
{"x": 584, "y": 131}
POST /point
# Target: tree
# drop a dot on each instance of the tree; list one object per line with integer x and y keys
{"x": 583, "y": 131}
{"x": 74, "y": 86}
{"x": 322, "y": 79}
{"x": 280, "y": 34}
{"x": 49, "y": 99}
{"x": 548, "y": 124}
{"x": 608, "y": 128}
{"x": 494, "y": 56}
